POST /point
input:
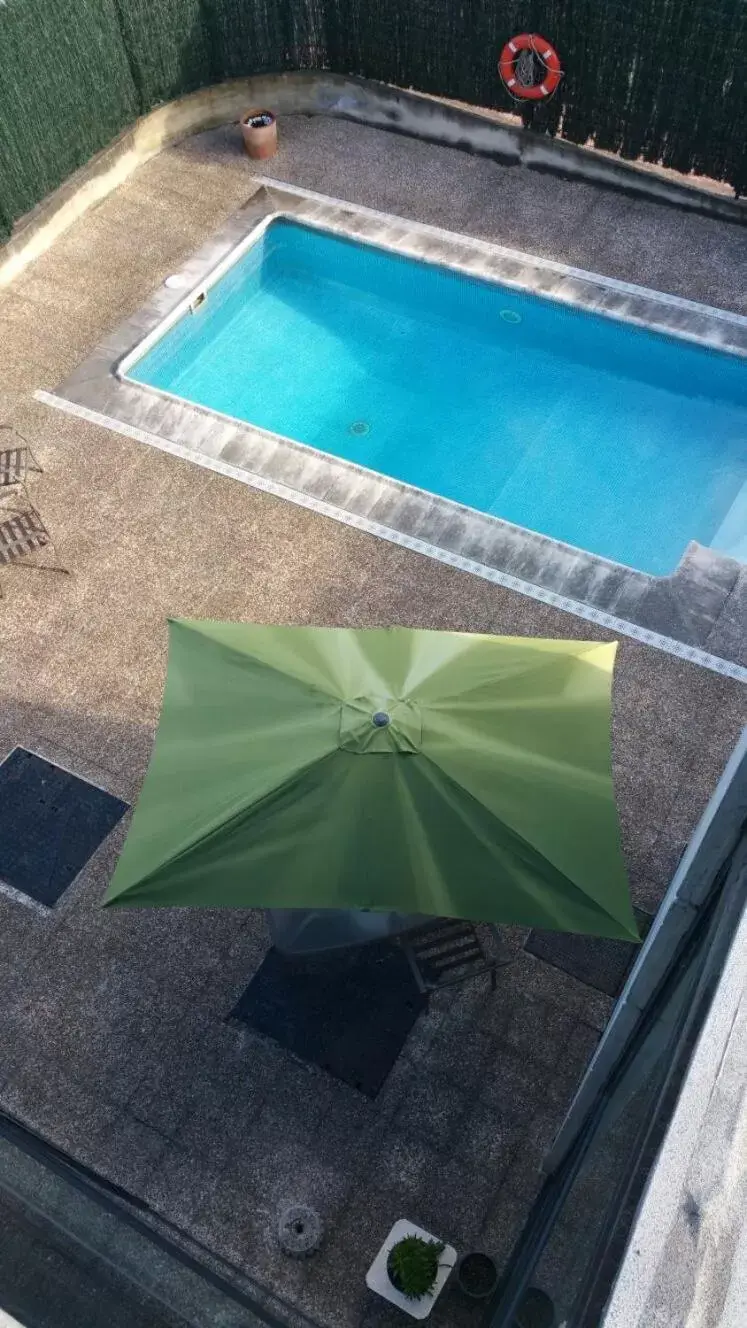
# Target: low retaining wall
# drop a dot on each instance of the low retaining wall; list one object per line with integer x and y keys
{"x": 365, "y": 102}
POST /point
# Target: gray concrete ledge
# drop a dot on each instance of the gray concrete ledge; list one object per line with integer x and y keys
{"x": 679, "y": 613}
{"x": 190, "y": 1282}
{"x": 312, "y": 92}
{"x": 686, "y": 1260}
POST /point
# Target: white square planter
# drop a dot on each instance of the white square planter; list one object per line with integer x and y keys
{"x": 377, "y": 1277}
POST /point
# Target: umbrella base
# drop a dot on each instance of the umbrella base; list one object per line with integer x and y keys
{"x": 304, "y": 931}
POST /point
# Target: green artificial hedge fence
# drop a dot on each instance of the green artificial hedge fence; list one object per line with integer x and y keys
{"x": 661, "y": 79}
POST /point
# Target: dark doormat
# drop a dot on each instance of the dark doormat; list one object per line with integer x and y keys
{"x": 591, "y": 959}
{"x": 348, "y": 1012}
{"x": 50, "y": 824}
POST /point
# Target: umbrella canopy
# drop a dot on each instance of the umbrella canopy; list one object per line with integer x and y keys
{"x": 425, "y": 772}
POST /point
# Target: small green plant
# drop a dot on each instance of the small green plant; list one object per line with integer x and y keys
{"x": 413, "y": 1265}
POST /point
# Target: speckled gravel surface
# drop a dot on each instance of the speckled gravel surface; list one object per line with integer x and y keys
{"x": 113, "y": 1040}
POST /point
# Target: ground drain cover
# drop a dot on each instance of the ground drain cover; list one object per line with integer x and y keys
{"x": 348, "y": 1012}
{"x": 50, "y": 824}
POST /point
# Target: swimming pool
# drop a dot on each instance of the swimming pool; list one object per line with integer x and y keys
{"x": 600, "y": 434}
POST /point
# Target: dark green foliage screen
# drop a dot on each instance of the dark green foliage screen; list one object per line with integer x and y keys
{"x": 661, "y": 79}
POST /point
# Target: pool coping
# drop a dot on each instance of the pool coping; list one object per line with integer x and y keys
{"x": 676, "y": 613}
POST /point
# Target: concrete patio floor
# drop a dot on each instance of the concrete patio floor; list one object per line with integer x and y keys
{"x": 113, "y": 1035}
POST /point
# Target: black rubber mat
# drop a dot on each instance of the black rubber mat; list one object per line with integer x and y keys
{"x": 591, "y": 959}
{"x": 349, "y": 1013}
{"x": 50, "y": 824}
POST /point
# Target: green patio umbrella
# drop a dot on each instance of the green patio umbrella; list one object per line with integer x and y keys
{"x": 433, "y": 773}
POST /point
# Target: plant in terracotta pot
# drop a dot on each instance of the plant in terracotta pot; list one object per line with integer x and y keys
{"x": 413, "y": 1265}
{"x": 259, "y": 130}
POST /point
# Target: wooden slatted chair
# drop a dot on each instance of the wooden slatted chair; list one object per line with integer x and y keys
{"x": 447, "y": 951}
{"x": 16, "y": 460}
{"x": 24, "y": 533}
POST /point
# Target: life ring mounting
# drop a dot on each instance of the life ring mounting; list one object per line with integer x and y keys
{"x": 546, "y": 55}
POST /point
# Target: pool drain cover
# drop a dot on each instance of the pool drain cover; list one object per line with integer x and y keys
{"x": 510, "y": 316}
{"x": 359, "y": 428}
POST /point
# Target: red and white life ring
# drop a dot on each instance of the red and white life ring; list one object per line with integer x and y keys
{"x": 530, "y": 41}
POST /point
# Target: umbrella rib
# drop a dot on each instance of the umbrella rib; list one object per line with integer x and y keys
{"x": 538, "y": 665}
{"x": 553, "y": 765}
{"x": 245, "y": 811}
{"x": 193, "y": 625}
{"x": 588, "y": 899}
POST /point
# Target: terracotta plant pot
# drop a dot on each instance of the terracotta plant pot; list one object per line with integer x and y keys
{"x": 260, "y": 133}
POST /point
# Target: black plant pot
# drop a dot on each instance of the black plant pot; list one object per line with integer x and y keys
{"x": 536, "y": 1310}
{"x": 477, "y": 1275}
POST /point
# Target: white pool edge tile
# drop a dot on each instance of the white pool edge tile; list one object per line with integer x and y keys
{"x": 517, "y": 255}
{"x": 618, "y": 626}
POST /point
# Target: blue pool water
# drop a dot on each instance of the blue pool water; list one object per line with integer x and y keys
{"x": 617, "y": 440}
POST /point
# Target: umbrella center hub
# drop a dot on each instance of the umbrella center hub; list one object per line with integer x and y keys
{"x": 380, "y": 724}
